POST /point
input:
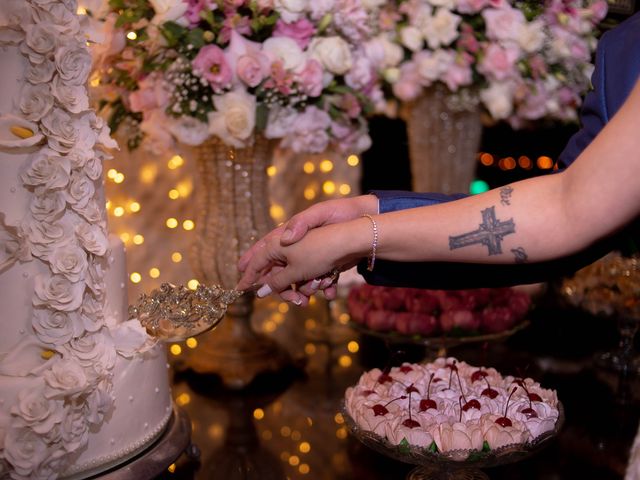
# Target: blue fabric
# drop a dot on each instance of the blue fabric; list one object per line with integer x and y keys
{"x": 616, "y": 70}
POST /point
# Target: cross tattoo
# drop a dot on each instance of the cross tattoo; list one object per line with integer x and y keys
{"x": 490, "y": 233}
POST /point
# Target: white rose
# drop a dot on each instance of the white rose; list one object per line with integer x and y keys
{"x": 48, "y": 170}
{"x": 383, "y": 53}
{"x": 75, "y": 429}
{"x": 93, "y": 168}
{"x": 319, "y": 8}
{"x": 291, "y": 10}
{"x": 73, "y": 63}
{"x": 189, "y": 130}
{"x": 333, "y": 53}
{"x": 442, "y": 28}
{"x": 531, "y": 36}
{"x": 41, "y": 72}
{"x": 235, "y": 117}
{"x": 95, "y": 352}
{"x": 286, "y": 50}
{"x": 36, "y": 101}
{"x": 280, "y": 122}
{"x": 157, "y": 140}
{"x": 58, "y": 292}
{"x": 24, "y": 449}
{"x": 92, "y": 238}
{"x": 92, "y": 314}
{"x": 56, "y": 327}
{"x": 63, "y": 19}
{"x": 15, "y": 12}
{"x": 37, "y": 411}
{"x": 42, "y": 38}
{"x": 80, "y": 191}
{"x": 95, "y": 280}
{"x": 48, "y": 206}
{"x": 78, "y": 157}
{"x": 60, "y": 130}
{"x": 411, "y": 38}
{"x": 41, "y": 236}
{"x": 169, "y": 10}
{"x": 92, "y": 212}
{"x": 69, "y": 260}
{"x": 498, "y": 98}
{"x": 431, "y": 66}
{"x": 72, "y": 97}
{"x": 65, "y": 379}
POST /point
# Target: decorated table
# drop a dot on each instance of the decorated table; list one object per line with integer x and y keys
{"x": 288, "y": 424}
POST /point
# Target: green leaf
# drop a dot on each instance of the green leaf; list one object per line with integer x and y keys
{"x": 433, "y": 447}
{"x": 485, "y": 446}
{"x": 173, "y": 33}
{"x": 207, "y": 16}
{"x": 116, "y": 4}
{"x": 262, "y": 115}
{"x": 196, "y": 37}
{"x": 403, "y": 446}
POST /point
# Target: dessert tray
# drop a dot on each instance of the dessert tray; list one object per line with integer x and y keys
{"x": 453, "y": 464}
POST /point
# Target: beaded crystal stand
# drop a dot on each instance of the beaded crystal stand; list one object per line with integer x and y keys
{"x": 233, "y": 213}
{"x": 444, "y": 133}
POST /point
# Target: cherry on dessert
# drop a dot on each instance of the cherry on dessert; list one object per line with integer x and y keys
{"x": 406, "y": 369}
{"x": 529, "y": 412}
{"x": 489, "y": 392}
{"x": 478, "y": 375}
{"x": 384, "y": 378}
{"x": 534, "y": 397}
{"x": 366, "y": 393}
{"x": 427, "y": 403}
{"x": 410, "y": 423}
{"x": 473, "y": 403}
{"x": 379, "y": 410}
{"x": 504, "y": 421}
{"x": 411, "y": 389}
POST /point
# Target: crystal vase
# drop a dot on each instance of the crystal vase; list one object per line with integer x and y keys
{"x": 444, "y": 132}
{"x": 233, "y": 212}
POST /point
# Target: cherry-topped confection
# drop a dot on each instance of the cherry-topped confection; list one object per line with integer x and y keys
{"x": 453, "y": 368}
{"x": 504, "y": 421}
{"x": 427, "y": 403}
{"x": 529, "y": 412}
{"x": 410, "y": 422}
{"x": 471, "y": 403}
{"x": 411, "y": 389}
{"x": 384, "y": 378}
{"x": 478, "y": 374}
{"x": 406, "y": 369}
{"x": 489, "y": 392}
{"x": 382, "y": 409}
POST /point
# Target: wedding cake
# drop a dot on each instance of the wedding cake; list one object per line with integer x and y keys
{"x": 82, "y": 388}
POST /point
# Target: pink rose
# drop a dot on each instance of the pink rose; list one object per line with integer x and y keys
{"x": 212, "y": 65}
{"x": 361, "y": 75}
{"x": 301, "y": 31}
{"x": 503, "y": 23}
{"x": 459, "y": 72}
{"x": 251, "y": 69}
{"x": 195, "y": 7}
{"x": 471, "y": 6}
{"x": 309, "y": 133}
{"x": 310, "y": 78}
{"x": 598, "y": 10}
{"x": 246, "y": 60}
{"x": 408, "y": 86}
{"x": 499, "y": 62}
{"x": 149, "y": 96}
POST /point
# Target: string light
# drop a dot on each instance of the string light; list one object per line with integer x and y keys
{"x": 326, "y": 166}
{"x": 353, "y": 160}
{"x": 304, "y": 447}
{"x": 309, "y": 167}
{"x": 81, "y": 10}
{"x": 119, "y": 178}
{"x": 192, "y": 342}
{"x": 272, "y": 170}
{"x": 138, "y": 239}
{"x": 304, "y": 468}
{"x": 118, "y": 211}
{"x": 148, "y": 173}
{"x": 353, "y": 346}
{"x": 111, "y": 173}
{"x": 132, "y": 35}
{"x": 285, "y": 431}
{"x": 193, "y": 284}
{"x": 171, "y": 468}
{"x": 184, "y": 398}
{"x": 135, "y": 277}
{"x": 175, "y": 162}
{"x": 309, "y": 193}
{"x": 171, "y": 222}
{"x": 345, "y": 361}
{"x": 175, "y": 349}
{"x": 258, "y": 414}
{"x": 277, "y": 212}
{"x": 544, "y": 162}
{"x": 125, "y": 237}
{"x": 294, "y": 460}
{"x": 176, "y": 257}
{"x": 188, "y": 225}
{"x": 174, "y": 194}
{"x": 309, "y": 349}
{"x": 154, "y": 272}
{"x": 185, "y": 188}
{"x": 329, "y": 187}
{"x": 134, "y": 207}
{"x": 344, "y": 189}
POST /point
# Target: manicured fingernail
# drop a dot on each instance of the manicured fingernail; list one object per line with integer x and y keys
{"x": 315, "y": 284}
{"x": 263, "y": 291}
{"x": 286, "y": 235}
{"x": 297, "y": 302}
{"x": 326, "y": 283}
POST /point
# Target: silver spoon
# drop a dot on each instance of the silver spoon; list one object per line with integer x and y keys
{"x": 173, "y": 312}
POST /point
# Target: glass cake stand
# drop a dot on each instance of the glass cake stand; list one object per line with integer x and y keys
{"x": 454, "y": 464}
{"x": 439, "y": 345}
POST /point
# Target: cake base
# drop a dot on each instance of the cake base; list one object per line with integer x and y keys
{"x": 157, "y": 457}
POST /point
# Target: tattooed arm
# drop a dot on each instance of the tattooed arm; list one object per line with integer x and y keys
{"x": 529, "y": 221}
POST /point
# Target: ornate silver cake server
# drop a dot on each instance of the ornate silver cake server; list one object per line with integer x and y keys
{"x": 173, "y": 312}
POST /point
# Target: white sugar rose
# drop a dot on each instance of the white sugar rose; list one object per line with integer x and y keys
{"x": 44, "y": 236}
{"x": 80, "y": 191}
{"x": 36, "y": 101}
{"x": 75, "y": 429}
{"x": 63, "y": 19}
{"x": 411, "y": 37}
{"x": 51, "y": 466}
{"x": 333, "y": 53}
{"x": 56, "y": 327}
{"x": 69, "y": 260}
{"x": 73, "y": 63}
{"x": 131, "y": 338}
{"x": 72, "y": 97}
{"x": 92, "y": 212}
{"x": 42, "y": 38}
{"x": 48, "y": 206}
{"x": 291, "y": 10}
{"x": 94, "y": 351}
{"x": 286, "y": 50}
{"x": 99, "y": 403}
{"x": 95, "y": 280}
{"x": 47, "y": 169}
{"x": 92, "y": 314}
{"x": 40, "y": 72}
{"x": 65, "y": 379}
{"x": 61, "y": 133}
{"x": 234, "y": 118}
{"x": 92, "y": 238}
{"x": 58, "y": 292}
{"x": 93, "y": 168}
{"x": 36, "y": 411}
{"x": 24, "y": 449}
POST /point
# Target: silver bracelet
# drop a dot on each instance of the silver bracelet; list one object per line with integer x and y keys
{"x": 371, "y": 261}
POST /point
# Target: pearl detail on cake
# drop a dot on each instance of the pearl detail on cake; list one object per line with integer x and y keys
{"x": 130, "y": 398}
{"x": 25, "y": 275}
{"x": 157, "y": 389}
{"x": 12, "y": 189}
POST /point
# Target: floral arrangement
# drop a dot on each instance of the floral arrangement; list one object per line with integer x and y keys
{"x": 186, "y": 70}
{"x": 64, "y": 360}
{"x": 518, "y": 60}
